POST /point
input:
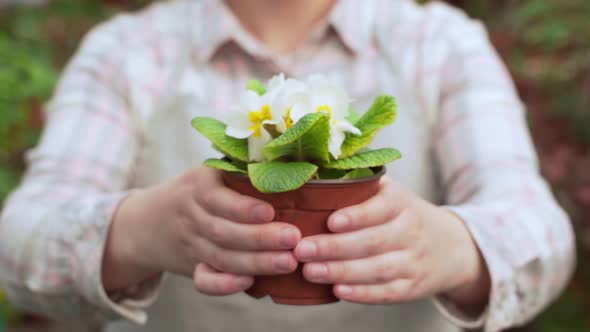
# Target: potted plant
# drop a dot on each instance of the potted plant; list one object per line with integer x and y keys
{"x": 302, "y": 148}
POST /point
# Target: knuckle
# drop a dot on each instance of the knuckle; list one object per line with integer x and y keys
{"x": 328, "y": 247}
{"x": 192, "y": 252}
{"x": 337, "y": 271}
{"x": 392, "y": 293}
{"x": 376, "y": 244}
{"x": 184, "y": 235}
{"x": 266, "y": 263}
{"x": 390, "y": 213}
{"x": 261, "y": 237}
{"x": 186, "y": 207}
{"x": 261, "y": 263}
{"x": 241, "y": 209}
{"x": 216, "y": 233}
{"x": 358, "y": 215}
{"x": 199, "y": 282}
{"x": 419, "y": 251}
{"x": 208, "y": 198}
{"x": 417, "y": 280}
{"x": 383, "y": 271}
{"x": 384, "y": 199}
{"x": 222, "y": 286}
{"x": 187, "y": 180}
{"x": 219, "y": 260}
{"x": 409, "y": 290}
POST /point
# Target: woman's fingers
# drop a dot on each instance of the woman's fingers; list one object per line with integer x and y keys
{"x": 381, "y": 208}
{"x": 228, "y": 204}
{"x": 373, "y": 270}
{"x": 363, "y": 243}
{"x": 397, "y": 291}
{"x": 247, "y": 262}
{"x": 238, "y": 236}
{"x": 232, "y": 235}
{"x": 211, "y": 282}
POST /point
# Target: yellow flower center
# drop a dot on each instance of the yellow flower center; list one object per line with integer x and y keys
{"x": 288, "y": 120}
{"x": 257, "y": 117}
{"x": 326, "y": 109}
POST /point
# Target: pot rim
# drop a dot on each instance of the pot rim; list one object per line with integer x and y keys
{"x": 375, "y": 176}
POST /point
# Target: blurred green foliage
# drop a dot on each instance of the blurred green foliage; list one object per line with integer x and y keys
{"x": 25, "y": 78}
{"x": 35, "y": 42}
{"x": 546, "y": 44}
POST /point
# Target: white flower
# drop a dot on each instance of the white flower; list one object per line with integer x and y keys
{"x": 285, "y": 102}
{"x": 292, "y": 98}
{"x": 331, "y": 99}
{"x": 247, "y": 120}
{"x": 276, "y": 82}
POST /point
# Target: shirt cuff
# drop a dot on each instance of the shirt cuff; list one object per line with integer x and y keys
{"x": 450, "y": 311}
{"x": 130, "y": 303}
{"x": 445, "y": 306}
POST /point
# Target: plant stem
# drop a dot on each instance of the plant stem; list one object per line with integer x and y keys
{"x": 299, "y": 155}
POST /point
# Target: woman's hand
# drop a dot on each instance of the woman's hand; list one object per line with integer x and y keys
{"x": 396, "y": 247}
{"x": 196, "y": 220}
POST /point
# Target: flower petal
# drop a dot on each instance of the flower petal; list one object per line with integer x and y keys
{"x": 271, "y": 122}
{"x": 298, "y": 111}
{"x": 251, "y": 101}
{"x": 256, "y": 145}
{"x": 344, "y": 125}
{"x": 335, "y": 142}
{"x": 276, "y": 81}
{"x": 238, "y": 119}
{"x": 238, "y": 133}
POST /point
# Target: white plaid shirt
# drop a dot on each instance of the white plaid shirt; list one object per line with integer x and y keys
{"x": 120, "y": 116}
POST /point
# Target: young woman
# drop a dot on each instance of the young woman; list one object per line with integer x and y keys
{"x": 113, "y": 199}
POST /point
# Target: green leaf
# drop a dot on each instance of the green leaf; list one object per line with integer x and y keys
{"x": 240, "y": 164}
{"x": 306, "y": 140}
{"x": 330, "y": 174}
{"x": 353, "y": 116}
{"x": 358, "y": 174}
{"x": 277, "y": 177}
{"x": 380, "y": 115}
{"x": 366, "y": 159}
{"x": 223, "y": 165}
{"x": 214, "y": 130}
{"x": 256, "y": 86}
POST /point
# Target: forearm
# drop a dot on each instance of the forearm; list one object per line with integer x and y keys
{"x": 462, "y": 275}
{"x": 122, "y": 266}
{"x": 528, "y": 248}
{"x": 53, "y": 245}
{"x": 473, "y": 292}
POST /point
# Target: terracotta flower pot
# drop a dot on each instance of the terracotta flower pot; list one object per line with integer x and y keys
{"x": 308, "y": 208}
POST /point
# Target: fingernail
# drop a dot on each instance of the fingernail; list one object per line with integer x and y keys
{"x": 306, "y": 250}
{"x": 262, "y": 213}
{"x": 340, "y": 221}
{"x": 317, "y": 271}
{"x": 344, "y": 290}
{"x": 283, "y": 263}
{"x": 244, "y": 282}
{"x": 288, "y": 238}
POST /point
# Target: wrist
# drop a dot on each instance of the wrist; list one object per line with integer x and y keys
{"x": 471, "y": 289}
{"x": 121, "y": 267}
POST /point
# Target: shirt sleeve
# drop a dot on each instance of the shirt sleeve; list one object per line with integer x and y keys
{"x": 491, "y": 180}
{"x": 54, "y": 226}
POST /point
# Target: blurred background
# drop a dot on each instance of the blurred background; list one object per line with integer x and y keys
{"x": 546, "y": 44}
